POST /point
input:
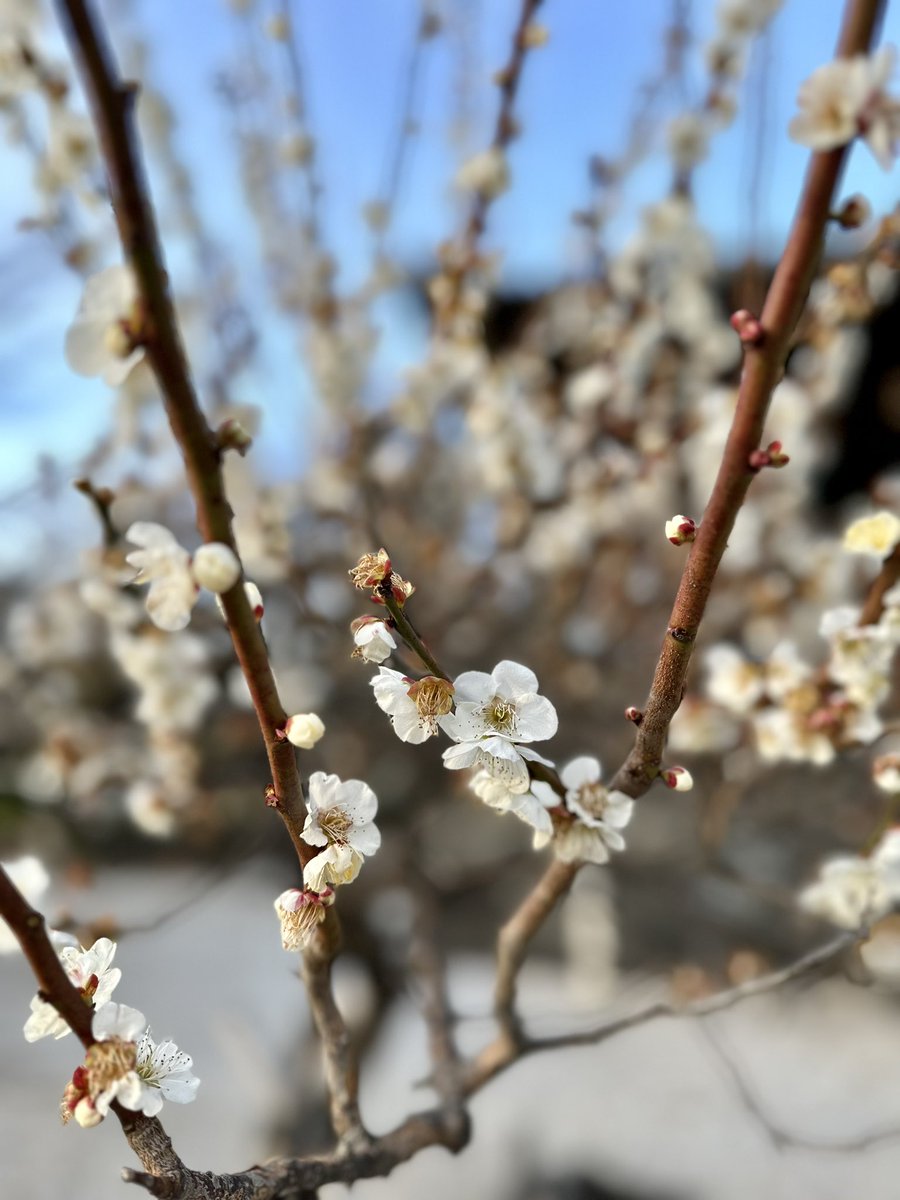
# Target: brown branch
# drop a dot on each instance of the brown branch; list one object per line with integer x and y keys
{"x": 428, "y": 963}
{"x": 515, "y": 937}
{"x": 341, "y": 1069}
{"x": 763, "y": 367}
{"x": 112, "y": 105}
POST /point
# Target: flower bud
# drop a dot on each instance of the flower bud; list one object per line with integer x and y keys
{"x": 677, "y": 778}
{"x": 853, "y": 213}
{"x": 633, "y": 714}
{"x": 254, "y": 599}
{"x": 86, "y": 1114}
{"x": 747, "y": 327}
{"x": 886, "y": 773}
{"x": 680, "y": 529}
{"x": 231, "y": 435}
{"x": 304, "y": 730}
{"x": 215, "y": 566}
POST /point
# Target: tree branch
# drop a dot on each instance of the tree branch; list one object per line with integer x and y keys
{"x": 112, "y": 105}
{"x": 763, "y": 367}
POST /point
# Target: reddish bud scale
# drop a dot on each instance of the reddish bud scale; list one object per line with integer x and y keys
{"x": 634, "y": 715}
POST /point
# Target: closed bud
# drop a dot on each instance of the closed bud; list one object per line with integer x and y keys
{"x": 304, "y": 730}
{"x": 677, "y": 778}
{"x": 215, "y": 566}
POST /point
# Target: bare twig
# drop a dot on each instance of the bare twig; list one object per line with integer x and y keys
{"x": 763, "y": 367}
{"x": 780, "y": 1137}
{"x": 505, "y": 130}
{"x": 501, "y": 1053}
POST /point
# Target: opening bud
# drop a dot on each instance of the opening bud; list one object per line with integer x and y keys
{"x": 300, "y": 914}
{"x": 680, "y": 529}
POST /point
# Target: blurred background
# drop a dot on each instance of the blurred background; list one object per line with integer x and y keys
{"x": 518, "y": 451}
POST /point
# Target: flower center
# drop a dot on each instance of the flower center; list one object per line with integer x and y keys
{"x": 593, "y": 799}
{"x": 500, "y": 714}
{"x": 433, "y": 698}
{"x": 335, "y": 824}
{"x": 106, "y": 1062}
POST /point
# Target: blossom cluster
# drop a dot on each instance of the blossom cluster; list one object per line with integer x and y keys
{"x": 125, "y": 1063}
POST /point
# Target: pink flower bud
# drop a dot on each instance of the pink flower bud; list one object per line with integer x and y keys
{"x": 747, "y": 327}
{"x": 633, "y": 714}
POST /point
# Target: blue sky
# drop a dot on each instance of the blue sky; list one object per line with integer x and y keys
{"x": 575, "y": 101}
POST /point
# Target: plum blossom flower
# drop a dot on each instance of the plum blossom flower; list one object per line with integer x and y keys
{"x": 876, "y": 535}
{"x": 103, "y": 339}
{"x": 733, "y": 682}
{"x": 340, "y": 817}
{"x": 125, "y": 1064}
{"x": 374, "y": 641}
{"x": 513, "y": 796}
{"x": 846, "y": 98}
{"x": 497, "y": 712}
{"x": 165, "y": 1073}
{"x": 300, "y": 913}
{"x": 165, "y": 564}
{"x": 853, "y": 891}
{"x": 89, "y": 971}
{"x": 29, "y": 875}
{"x": 414, "y": 705}
{"x": 595, "y": 814}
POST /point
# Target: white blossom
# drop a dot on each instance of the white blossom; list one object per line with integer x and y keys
{"x": 876, "y": 535}
{"x": 514, "y": 796}
{"x": 125, "y": 1064}
{"x": 166, "y": 566}
{"x": 165, "y": 1073}
{"x": 374, "y": 641}
{"x": 89, "y": 971}
{"x": 598, "y": 813}
{"x": 502, "y": 707}
{"x": 845, "y": 98}
{"x": 340, "y": 817}
{"x": 100, "y": 340}
{"x": 414, "y": 706}
{"x": 853, "y": 891}
{"x": 732, "y": 681}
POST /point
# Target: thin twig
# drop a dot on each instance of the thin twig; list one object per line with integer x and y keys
{"x": 501, "y": 1053}
{"x": 780, "y": 1137}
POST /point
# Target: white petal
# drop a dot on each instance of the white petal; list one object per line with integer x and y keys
{"x": 473, "y": 686}
{"x": 512, "y": 680}
{"x": 536, "y": 719}
{"x": 580, "y": 771}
